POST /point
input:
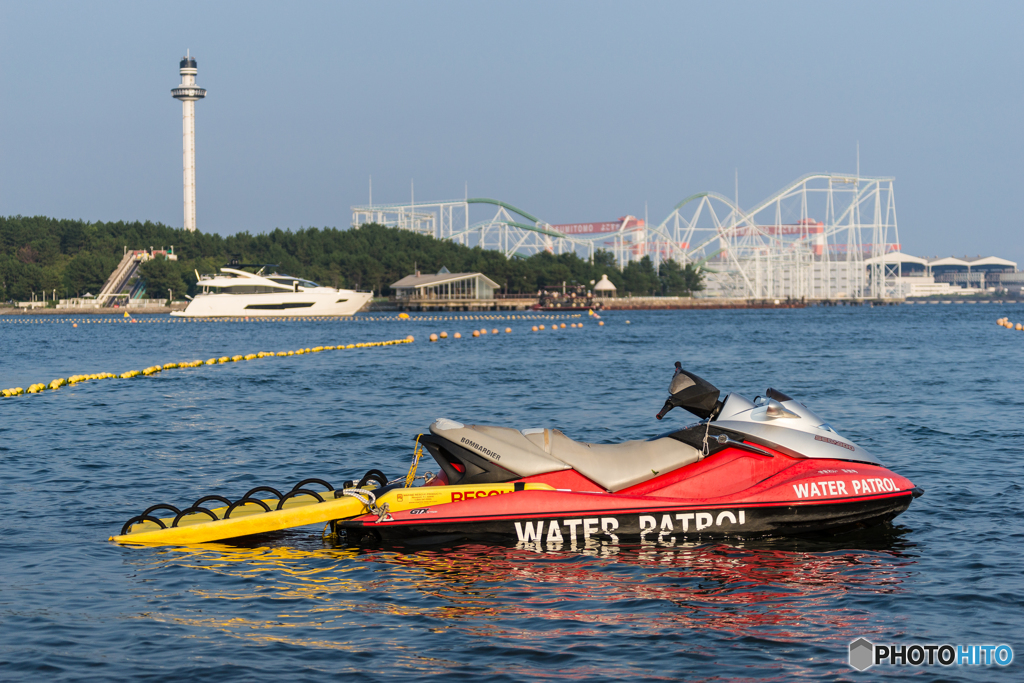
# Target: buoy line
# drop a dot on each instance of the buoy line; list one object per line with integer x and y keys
{"x": 1005, "y": 322}
{"x": 154, "y": 369}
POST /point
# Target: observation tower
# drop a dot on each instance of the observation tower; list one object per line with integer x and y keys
{"x": 188, "y": 93}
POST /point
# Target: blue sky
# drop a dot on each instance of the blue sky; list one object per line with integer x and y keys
{"x": 574, "y": 111}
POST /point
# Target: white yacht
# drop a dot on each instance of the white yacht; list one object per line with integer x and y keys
{"x": 236, "y": 292}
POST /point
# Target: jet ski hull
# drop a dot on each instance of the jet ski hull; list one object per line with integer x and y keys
{"x": 785, "y": 508}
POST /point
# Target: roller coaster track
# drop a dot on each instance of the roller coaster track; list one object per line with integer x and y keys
{"x": 749, "y": 252}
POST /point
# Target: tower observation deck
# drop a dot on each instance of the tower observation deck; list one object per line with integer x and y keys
{"x": 188, "y": 92}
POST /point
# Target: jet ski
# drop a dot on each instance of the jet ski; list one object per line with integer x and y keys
{"x": 765, "y": 467}
{"x": 747, "y": 468}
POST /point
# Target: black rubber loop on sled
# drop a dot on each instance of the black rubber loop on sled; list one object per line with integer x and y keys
{"x": 244, "y": 501}
{"x": 299, "y": 492}
{"x": 373, "y": 475}
{"x": 160, "y": 506}
{"x": 277, "y": 494}
{"x": 302, "y": 484}
{"x": 219, "y": 499}
{"x": 141, "y": 518}
{"x": 189, "y": 511}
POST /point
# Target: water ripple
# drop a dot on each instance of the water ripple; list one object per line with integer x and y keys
{"x": 77, "y": 462}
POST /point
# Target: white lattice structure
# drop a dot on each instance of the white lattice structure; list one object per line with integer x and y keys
{"x": 821, "y": 237}
{"x": 509, "y": 230}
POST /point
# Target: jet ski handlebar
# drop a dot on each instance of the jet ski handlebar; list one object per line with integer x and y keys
{"x": 692, "y": 393}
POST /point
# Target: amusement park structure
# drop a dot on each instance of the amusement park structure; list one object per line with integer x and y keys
{"x": 823, "y": 236}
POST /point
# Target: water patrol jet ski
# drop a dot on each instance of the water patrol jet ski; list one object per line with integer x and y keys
{"x": 748, "y": 468}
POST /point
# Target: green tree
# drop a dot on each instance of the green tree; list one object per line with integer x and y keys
{"x": 85, "y": 273}
{"x": 160, "y": 276}
{"x": 640, "y": 279}
{"x": 679, "y": 280}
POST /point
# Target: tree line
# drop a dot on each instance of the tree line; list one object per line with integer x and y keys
{"x": 72, "y": 258}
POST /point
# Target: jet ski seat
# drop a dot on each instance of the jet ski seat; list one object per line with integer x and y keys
{"x": 615, "y": 466}
{"x": 537, "y": 451}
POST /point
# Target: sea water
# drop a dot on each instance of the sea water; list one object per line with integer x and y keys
{"x": 936, "y": 391}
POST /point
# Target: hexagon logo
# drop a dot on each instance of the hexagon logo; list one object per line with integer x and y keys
{"x": 862, "y": 654}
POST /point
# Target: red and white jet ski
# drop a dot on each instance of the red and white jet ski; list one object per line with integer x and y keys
{"x": 767, "y": 467}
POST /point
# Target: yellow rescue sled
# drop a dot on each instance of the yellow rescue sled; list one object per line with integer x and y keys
{"x": 201, "y": 523}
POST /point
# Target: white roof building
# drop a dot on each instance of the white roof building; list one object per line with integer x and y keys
{"x": 965, "y": 263}
{"x": 605, "y": 287}
{"x": 445, "y": 285}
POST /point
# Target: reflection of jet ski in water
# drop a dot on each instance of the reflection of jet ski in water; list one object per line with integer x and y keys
{"x": 767, "y": 467}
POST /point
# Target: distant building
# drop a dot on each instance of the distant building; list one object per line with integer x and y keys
{"x": 949, "y": 275}
{"x": 980, "y": 272}
{"x": 445, "y": 286}
{"x": 604, "y": 288}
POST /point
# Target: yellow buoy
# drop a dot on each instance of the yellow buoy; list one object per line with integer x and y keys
{"x": 600, "y": 322}
{"x": 1018, "y": 326}
{"x": 494, "y": 331}
{"x": 483, "y": 331}
{"x": 541, "y": 327}
{"x": 508, "y": 330}
{"x": 534, "y": 328}
{"x": 476, "y": 333}
{"x": 433, "y": 337}
{"x": 444, "y": 335}
{"x": 403, "y": 316}
{"x": 563, "y": 326}
{"x": 457, "y": 335}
